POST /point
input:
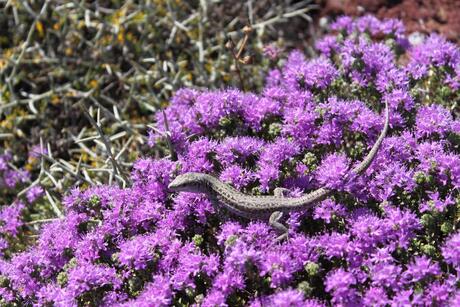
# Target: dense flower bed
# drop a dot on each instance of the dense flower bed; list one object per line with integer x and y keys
{"x": 387, "y": 237}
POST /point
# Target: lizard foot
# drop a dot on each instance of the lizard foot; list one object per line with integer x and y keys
{"x": 274, "y": 221}
{"x": 276, "y": 217}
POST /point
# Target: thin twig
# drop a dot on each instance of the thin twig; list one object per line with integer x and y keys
{"x": 168, "y": 138}
{"x": 24, "y": 47}
{"x": 42, "y": 221}
{"x": 53, "y": 204}
{"x": 76, "y": 175}
{"x": 231, "y": 46}
{"x": 116, "y": 168}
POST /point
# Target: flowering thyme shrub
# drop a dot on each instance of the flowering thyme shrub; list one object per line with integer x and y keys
{"x": 388, "y": 237}
{"x": 20, "y": 202}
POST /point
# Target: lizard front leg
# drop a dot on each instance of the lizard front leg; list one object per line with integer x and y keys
{"x": 276, "y": 216}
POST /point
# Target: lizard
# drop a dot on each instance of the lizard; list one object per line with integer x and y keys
{"x": 265, "y": 206}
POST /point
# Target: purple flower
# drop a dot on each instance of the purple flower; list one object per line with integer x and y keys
{"x": 86, "y": 276}
{"x": 12, "y": 177}
{"x": 20, "y": 272}
{"x": 188, "y": 267}
{"x": 330, "y": 133}
{"x": 367, "y": 63}
{"x": 399, "y": 97}
{"x": 402, "y": 298}
{"x": 138, "y": 251}
{"x": 3, "y": 245}
{"x": 229, "y": 230}
{"x": 402, "y": 225}
{"x": 455, "y": 300}
{"x": 228, "y": 281}
{"x": 34, "y": 193}
{"x": 438, "y": 292}
{"x": 450, "y": 250}
{"x": 369, "y": 230}
{"x": 278, "y": 266}
{"x": 7, "y": 295}
{"x": 236, "y": 175}
{"x": 261, "y": 108}
{"x": 199, "y": 156}
{"x": 375, "y": 296}
{"x": 272, "y": 51}
{"x": 286, "y": 298}
{"x": 11, "y": 218}
{"x": 299, "y": 123}
{"x": 271, "y": 158}
{"x": 386, "y": 275}
{"x": 343, "y": 23}
{"x": 435, "y": 51}
{"x": 436, "y": 204}
{"x": 389, "y": 178}
{"x": 327, "y": 210}
{"x": 333, "y": 245}
{"x": 273, "y": 78}
{"x": 420, "y": 269}
{"x": 238, "y": 150}
{"x": 340, "y": 284}
{"x": 327, "y": 45}
{"x": 433, "y": 119}
{"x": 36, "y": 151}
{"x": 156, "y": 293}
{"x": 332, "y": 171}
{"x": 301, "y": 75}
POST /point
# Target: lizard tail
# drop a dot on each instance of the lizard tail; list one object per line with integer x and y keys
{"x": 361, "y": 168}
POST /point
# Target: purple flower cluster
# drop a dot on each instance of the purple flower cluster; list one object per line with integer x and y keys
{"x": 387, "y": 237}
{"x": 436, "y": 52}
{"x": 13, "y": 208}
{"x": 10, "y": 177}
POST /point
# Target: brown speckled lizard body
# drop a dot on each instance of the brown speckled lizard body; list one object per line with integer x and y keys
{"x": 263, "y": 207}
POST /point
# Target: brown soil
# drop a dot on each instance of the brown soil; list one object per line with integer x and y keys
{"x": 426, "y": 16}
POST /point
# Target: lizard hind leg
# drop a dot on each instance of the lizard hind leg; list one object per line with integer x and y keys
{"x": 276, "y": 216}
{"x": 274, "y": 221}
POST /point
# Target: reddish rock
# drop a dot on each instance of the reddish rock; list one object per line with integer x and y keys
{"x": 442, "y": 16}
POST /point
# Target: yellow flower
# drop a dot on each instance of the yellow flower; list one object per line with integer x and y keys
{"x": 2, "y": 64}
{"x": 93, "y": 84}
{"x": 68, "y": 51}
{"x": 121, "y": 36}
{"x": 139, "y": 17}
{"x": 40, "y": 29}
{"x": 55, "y": 100}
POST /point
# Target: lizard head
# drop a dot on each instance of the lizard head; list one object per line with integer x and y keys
{"x": 189, "y": 182}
